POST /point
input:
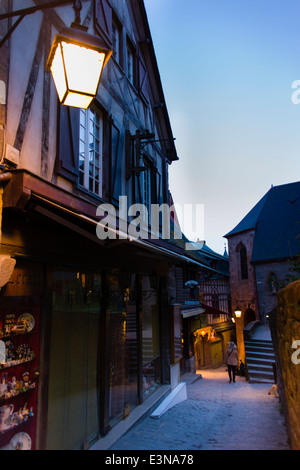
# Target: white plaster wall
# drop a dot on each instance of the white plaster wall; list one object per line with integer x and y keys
{"x": 129, "y": 110}
{"x": 20, "y": 66}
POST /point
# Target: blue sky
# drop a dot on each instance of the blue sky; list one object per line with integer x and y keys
{"x": 227, "y": 68}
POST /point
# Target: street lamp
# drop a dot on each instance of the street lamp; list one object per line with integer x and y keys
{"x": 238, "y": 312}
{"x": 76, "y": 62}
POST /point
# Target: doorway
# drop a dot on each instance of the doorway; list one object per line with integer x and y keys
{"x": 249, "y": 316}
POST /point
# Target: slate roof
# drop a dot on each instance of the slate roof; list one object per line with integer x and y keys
{"x": 276, "y": 221}
{"x": 221, "y": 262}
{"x": 250, "y": 220}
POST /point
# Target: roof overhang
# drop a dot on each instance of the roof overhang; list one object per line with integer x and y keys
{"x": 27, "y": 191}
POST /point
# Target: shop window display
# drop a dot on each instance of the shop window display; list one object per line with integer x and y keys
{"x": 19, "y": 341}
{"x": 123, "y": 345}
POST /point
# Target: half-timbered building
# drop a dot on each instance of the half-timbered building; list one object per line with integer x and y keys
{"x": 85, "y": 321}
{"x": 203, "y": 292}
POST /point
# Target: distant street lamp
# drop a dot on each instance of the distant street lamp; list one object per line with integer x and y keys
{"x": 238, "y": 312}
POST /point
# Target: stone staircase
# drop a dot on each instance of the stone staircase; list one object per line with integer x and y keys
{"x": 259, "y": 360}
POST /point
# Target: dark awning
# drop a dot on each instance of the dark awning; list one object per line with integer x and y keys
{"x": 192, "y": 311}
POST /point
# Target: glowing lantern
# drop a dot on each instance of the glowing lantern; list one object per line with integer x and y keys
{"x": 76, "y": 62}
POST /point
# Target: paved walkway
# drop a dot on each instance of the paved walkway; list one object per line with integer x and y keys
{"x": 216, "y": 415}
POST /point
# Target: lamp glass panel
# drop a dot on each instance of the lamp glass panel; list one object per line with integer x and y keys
{"x": 78, "y": 101}
{"x": 83, "y": 67}
{"x": 57, "y": 69}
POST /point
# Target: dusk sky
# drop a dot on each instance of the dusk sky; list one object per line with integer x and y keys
{"x": 227, "y": 69}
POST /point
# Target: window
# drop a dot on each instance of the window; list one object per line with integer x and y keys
{"x": 244, "y": 262}
{"x": 116, "y": 41}
{"x": 273, "y": 283}
{"x": 147, "y": 187}
{"x": 151, "y": 354}
{"x": 131, "y": 65}
{"x": 215, "y": 301}
{"x": 90, "y": 150}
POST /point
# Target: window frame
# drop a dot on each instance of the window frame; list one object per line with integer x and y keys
{"x": 243, "y": 263}
{"x": 131, "y": 63}
{"x": 146, "y": 181}
{"x": 91, "y": 119}
{"x": 117, "y": 40}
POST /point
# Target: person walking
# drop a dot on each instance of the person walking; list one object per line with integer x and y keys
{"x": 232, "y": 360}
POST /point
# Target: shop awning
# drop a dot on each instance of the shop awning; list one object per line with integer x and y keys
{"x": 192, "y": 312}
{"x": 78, "y": 213}
{"x": 202, "y": 309}
{"x": 58, "y": 213}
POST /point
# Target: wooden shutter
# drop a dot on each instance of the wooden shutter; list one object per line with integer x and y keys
{"x": 116, "y": 167}
{"x": 68, "y": 143}
{"x": 106, "y": 160}
{"x": 158, "y": 188}
{"x": 103, "y": 19}
{"x": 128, "y": 154}
{"x": 143, "y": 79}
{"x": 153, "y": 184}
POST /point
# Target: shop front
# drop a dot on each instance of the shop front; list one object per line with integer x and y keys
{"x": 134, "y": 342}
{"x": 205, "y": 336}
{"x": 82, "y": 327}
{"x": 20, "y": 311}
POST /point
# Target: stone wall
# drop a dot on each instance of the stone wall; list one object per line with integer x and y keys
{"x": 269, "y": 277}
{"x": 285, "y": 327}
{"x": 243, "y": 291}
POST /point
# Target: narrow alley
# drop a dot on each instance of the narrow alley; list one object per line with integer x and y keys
{"x": 217, "y": 415}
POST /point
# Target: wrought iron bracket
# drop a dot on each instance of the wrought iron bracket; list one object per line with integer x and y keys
{"x": 30, "y": 10}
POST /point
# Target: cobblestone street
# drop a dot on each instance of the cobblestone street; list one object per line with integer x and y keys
{"x": 216, "y": 415}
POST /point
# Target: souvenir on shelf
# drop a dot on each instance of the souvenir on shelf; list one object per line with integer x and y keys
{"x": 23, "y": 353}
{"x": 20, "y": 441}
{"x": 3, "y": 386}
{"x": 10, "y": 419}
{"x": 10, "y": 351}
{"x": 13, "y": 387}
{"x": 6, "y": 413}
{"x": 19, "y": 343}
{"x": 9, "y": 323}
{"x": 12, "y": 326}
{"x": 27, "y": 320}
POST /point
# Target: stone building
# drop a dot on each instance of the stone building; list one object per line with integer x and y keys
{"x": 261, "y": 250}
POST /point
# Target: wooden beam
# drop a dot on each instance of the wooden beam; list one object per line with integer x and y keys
{"x": 28, "y": 98}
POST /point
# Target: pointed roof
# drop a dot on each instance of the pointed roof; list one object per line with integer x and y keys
{"x": 276, "y": 221}
{"x": 207, "y": 251}
{"x": 220, "y": 262}
{"x": 250, "y": 220}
